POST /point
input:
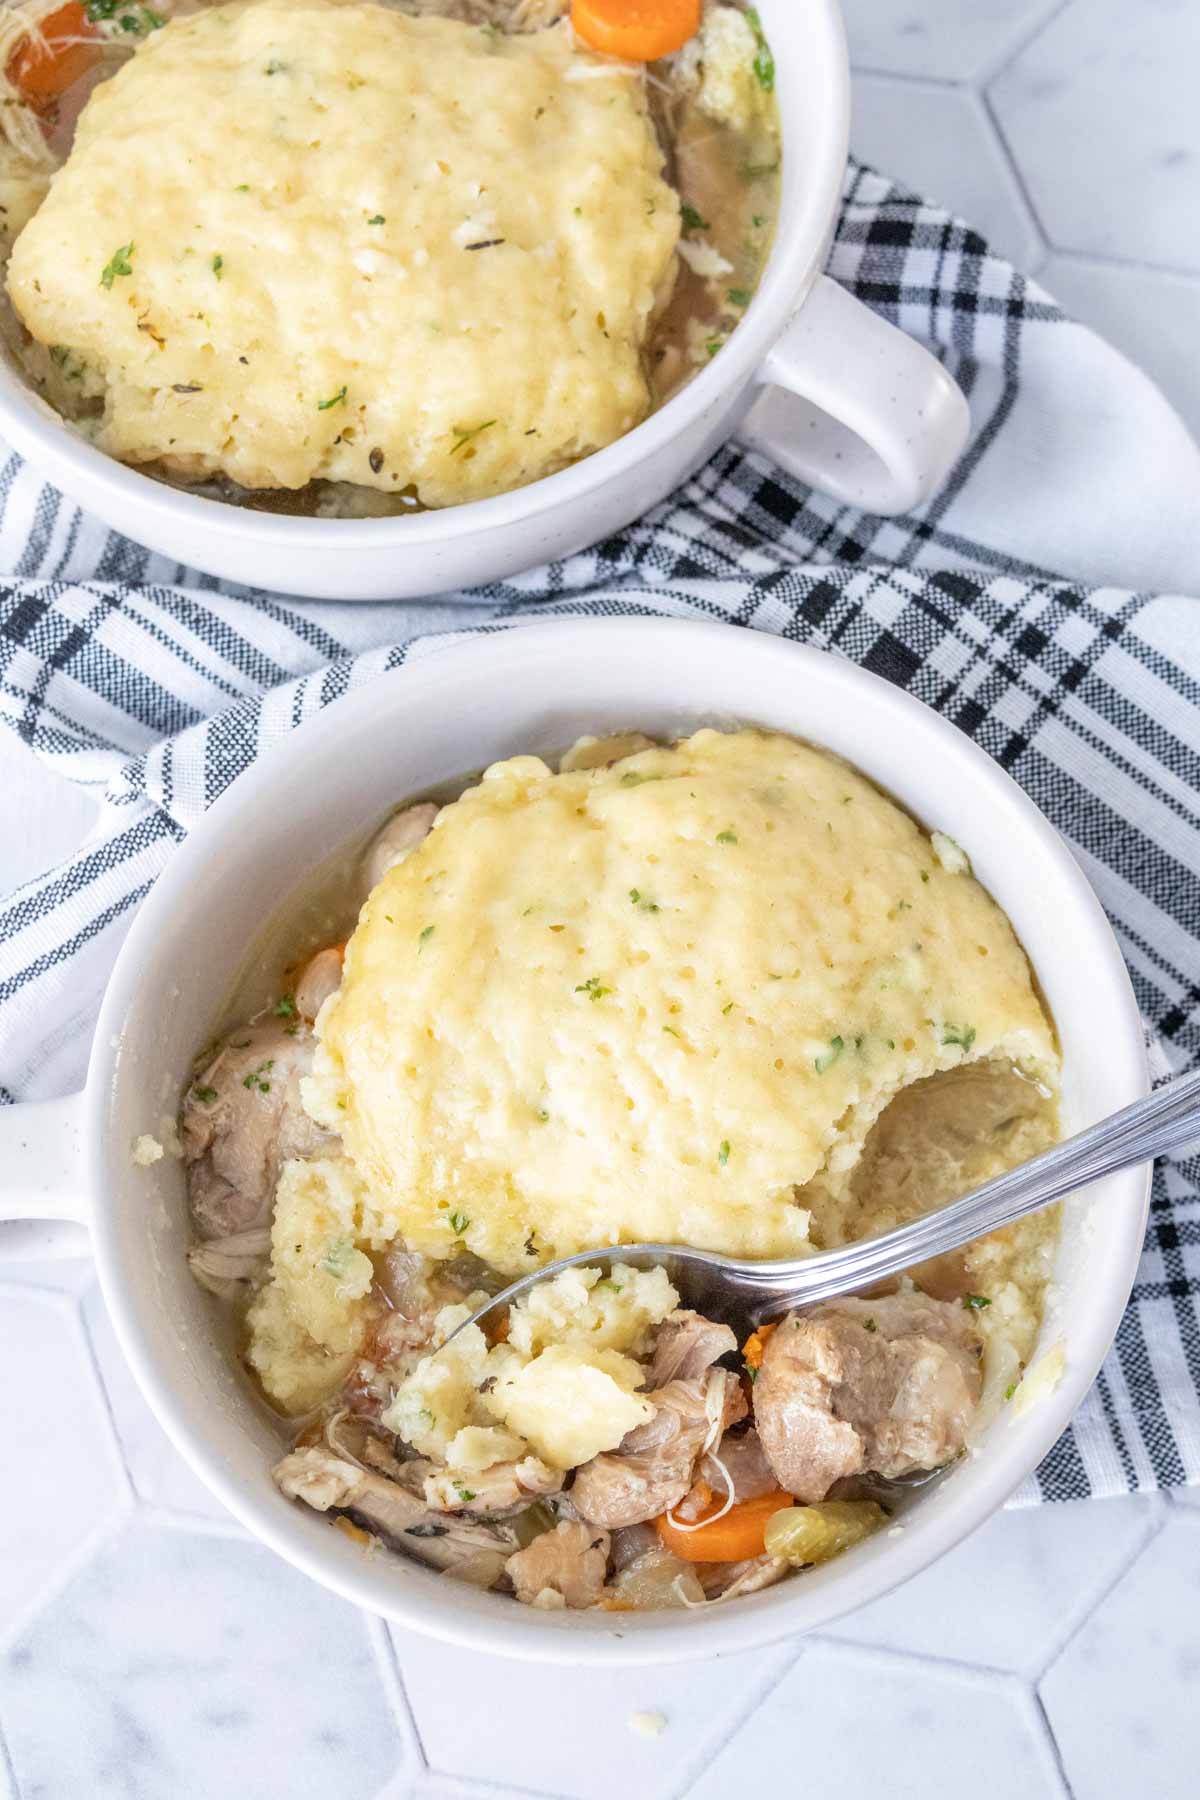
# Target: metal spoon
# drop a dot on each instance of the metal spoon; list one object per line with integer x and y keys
{"x": 742, "y": 1293}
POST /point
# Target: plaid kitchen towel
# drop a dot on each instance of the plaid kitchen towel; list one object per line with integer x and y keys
{"x": 1038, "y": 602}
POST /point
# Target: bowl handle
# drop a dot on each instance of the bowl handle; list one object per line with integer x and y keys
{"x": 855, "y": 407}
{"x": 43, "y": 1202}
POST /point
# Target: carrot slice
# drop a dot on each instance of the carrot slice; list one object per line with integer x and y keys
{"x": 44, "y": 67}
{"x": 734, "y": 1538}
{"x": 636, "y": 30}
{"x": 756, "y": 1343}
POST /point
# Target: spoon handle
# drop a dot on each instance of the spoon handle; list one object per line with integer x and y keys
{"x": 1163, "y": 1121}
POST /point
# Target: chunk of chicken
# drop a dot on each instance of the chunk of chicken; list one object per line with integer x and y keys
{"x": 654, "y": 1465}
{"x": 495, "y": 1493}
{"x": 729, "y": 1581}
{"x": 226, "y": 1266}
{"x": 241, "y": 1121}
{"x": 571, "y": 1562}
{"x": 402, "y": 833}
{"x": 320, "y": 977}
{"x": 328, "y": 1483}
{"x": 887, "y": 1385}
{"x": 686, "y": 1346}
{"x": 601, "y": 753}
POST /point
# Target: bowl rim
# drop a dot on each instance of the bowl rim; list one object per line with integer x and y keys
{"x": 942, "y": 1519}
{"x": 808, "y": 211}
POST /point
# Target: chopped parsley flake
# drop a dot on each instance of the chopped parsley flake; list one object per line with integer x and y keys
{"x": 543, "y": 1116}
{"x": 464, "y": 433}
{"x": 727, "y": 1008}
{"x": 121, "y": 264}
{"x": 218, "y": 263}
{"x": 714, "y": 344}
{"x": 424, "y": 936}
{"x": 205, "y": 1095}
{"x": 758, "y": 221}
{"x": 924, "y": 874}
{"x": 739, "y": 297}
{"x": 593, "y": 988}
{"x": 1010, "y": 1390}
{"x": 692, "y": 221}
{"x": 671, "y": 1029}
{"x": 615, "y": 1286}
{"x": 285, "y": 1007}
{"x": 639, "y": 900}
{"x": 975, "y": 1302}
{"x": 458, "y": 1223}
{"x": 255, "y": 1077}
{"x": 764, "y": 62}
{"x": 377, "y": 220}
{"x": 961, "y": 1035}
{"x": 727, "y": 837}
{"x": 828, "y": 1057}
{"x": 723, "y": 1152}
{"x": 464, "y": 1493}
{"x": 750, "y": 1373}
{"x": 870, "y": 1325}
{"x": 338, "y": 399}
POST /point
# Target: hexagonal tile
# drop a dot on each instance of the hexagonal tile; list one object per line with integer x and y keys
{"x": 56, "y": 1434}
{"x": 1134, "y": 1664}
{"x": 938, "y": 37}
{"x": 1100, "y": 114}
{"x": 1004, "y": 1597}
{"x": 851, "y": 1722}
{"x": 941, "y": 142}
{"x": 194, "y": 1666}
{"x": 566, "y": 1731}
{"x": 158, "y": 1472}
{"x": 1154, "y": 318}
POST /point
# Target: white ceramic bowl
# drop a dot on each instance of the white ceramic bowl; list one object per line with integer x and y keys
{"x": 851, "y": 405}
{"x": 537, "y": 688}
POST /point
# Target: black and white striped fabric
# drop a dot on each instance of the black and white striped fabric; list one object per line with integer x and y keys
{"x": 1037, "y": 602}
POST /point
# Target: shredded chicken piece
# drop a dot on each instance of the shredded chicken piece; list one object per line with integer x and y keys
{"x": 739, "y": 1467}
{"x": 888, "y": 1385}
{"x": 320, "y": 977}
{"x": 242, "y": 1120}
{"x": 402, "y": 833}
{"x": 728, "y": 1581}
{"x": 495, "y": 1493}
{"x": 226, "y": 1266}
{"x": 687, "y": 1344}
{"x": 652, "y": 1468}
{"x": 328, "y": 1483}
{"x": 570, "y": 1561}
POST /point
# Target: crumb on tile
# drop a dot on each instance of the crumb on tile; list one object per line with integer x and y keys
{"x": 647, "y": 1724}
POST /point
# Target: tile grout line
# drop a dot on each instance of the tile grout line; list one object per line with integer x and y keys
{"x": 1045, "y": 1729}
{"x": 1105, "y": 259}
{"x": 93, "y": 1360}
{"x": 7, "y": 1766}
{"x": 387, "y": 1663}
{"x": 1018, "y": 176}
{"x": 989, "y": 72}
{"x": 1039, "y": 1671}
{"x": 709, "y": 1752}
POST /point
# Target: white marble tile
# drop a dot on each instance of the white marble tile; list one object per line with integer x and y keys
{"x": 1153, "y": 318}
{"x": 567, "y": 1731}
{"x": 1134, "y": 1666}
{"x": 853, "y": 1723}
{"x": 952, "y": 39}
{"x": 159, "y": 1473}
{"x": 181, "y": 1668}
{"x": 1004, "y": 1597}
{"x": 940, "y": 141}
{"x": 56, "y": 1433}
{"x": 1100, "y": 113}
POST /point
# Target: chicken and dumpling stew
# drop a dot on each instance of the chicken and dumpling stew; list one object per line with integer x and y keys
{"x": 359, "y": 257}
{"x": 722, "y": 992}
